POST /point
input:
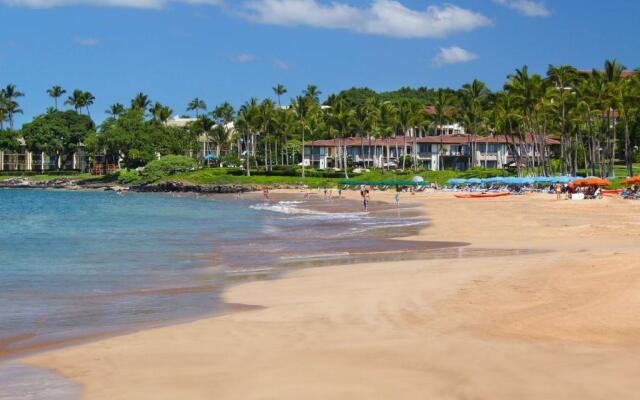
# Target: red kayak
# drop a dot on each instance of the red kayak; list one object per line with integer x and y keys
{"x": 611, "y": 192}
{"x": 481, "y": 195}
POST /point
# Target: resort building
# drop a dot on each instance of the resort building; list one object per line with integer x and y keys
{"x": 430, "y": 152}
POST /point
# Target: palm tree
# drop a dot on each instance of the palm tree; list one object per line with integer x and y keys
{"x": 613, "y": 72}
{"x": 279, "y": 90}
{"x": 140, "y": 101}
{"x": 267, "y": 108}
{"x": 342, "y": 119}
{"x": 474, "y": 96}
{"x": 88, "y": 100}
{"x": 115, "y": 110}
{"x": 312, "y": 93}
{"x": 249, "y": 123}
{"x": 160, "y": 113}
{"x": 302, "y": 108}
{"x": 442, "y": 104}
{"x": 76, "y": 100}
{"x": 12, "y": 107}
{"x": 196, "y": 105}
{"x": 55, "y": 93}
{"x": 563, "y": 78}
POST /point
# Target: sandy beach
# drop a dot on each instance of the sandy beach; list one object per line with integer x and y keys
{"x": 559, "y": 322}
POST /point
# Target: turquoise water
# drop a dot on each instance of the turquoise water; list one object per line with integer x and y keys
{"x": 75, "y": 263}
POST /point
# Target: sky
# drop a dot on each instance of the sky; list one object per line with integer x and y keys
{"x": 232, "y": 50}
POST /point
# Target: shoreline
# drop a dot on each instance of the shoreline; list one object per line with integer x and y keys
{"x": 303, "y": 303}
{"x": 12, "y": 347}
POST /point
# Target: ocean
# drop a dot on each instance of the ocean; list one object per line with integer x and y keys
{"x": 75, "y": 264}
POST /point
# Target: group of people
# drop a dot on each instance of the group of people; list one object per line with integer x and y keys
{"x": 568, "y": 191}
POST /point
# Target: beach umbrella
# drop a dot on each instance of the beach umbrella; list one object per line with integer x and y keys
{"x": 593, "y": 181}
{"x": 474, "y": 181}
{"x": 634, "y": 180}
{"x": 417, "y": 179}
{"x": 456, "y": 181}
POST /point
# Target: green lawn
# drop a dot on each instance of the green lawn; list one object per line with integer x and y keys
{"x": 210, "y": 176}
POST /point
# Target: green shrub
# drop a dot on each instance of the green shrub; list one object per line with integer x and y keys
{"x": 126, "y": 177}
{"x": 166, "y": 166}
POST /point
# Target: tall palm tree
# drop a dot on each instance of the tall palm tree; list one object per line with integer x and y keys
{"x": 443, "y": 103}
{"x": 76, "y": 100}
{"x": 10, "y": 93}
{"x": 141, "y": 101}
{"x": 249, "y": 124}
{"x": 55, "y": 93}
{"x": 197, "y": 105}
{"x": 312, "y": 93}
{"x": 613, "y": 72}
{"x": 302, "y": 106}
{"x": 563, "y": 78}
{"x": 115, "y": 110}
{"x": 267, "y": 120}
{"x": 279, "y": 90}
{"x": 160, "y": 113}
{"x": 474, "y": 97}
{"x": 88, "y": 100}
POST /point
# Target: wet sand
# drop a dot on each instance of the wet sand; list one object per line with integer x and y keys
{"x": 552, "y": 314}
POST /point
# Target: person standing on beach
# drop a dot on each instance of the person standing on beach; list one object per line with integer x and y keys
{"x": 397, "y": 199}
{"x": 365, "y": 200}
{"x": 558, "y": 191}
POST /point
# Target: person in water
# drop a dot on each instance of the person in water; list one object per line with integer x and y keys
{"x": 265, "y": 193}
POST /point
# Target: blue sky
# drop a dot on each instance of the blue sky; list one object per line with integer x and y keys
{"x": 175, "y": 50}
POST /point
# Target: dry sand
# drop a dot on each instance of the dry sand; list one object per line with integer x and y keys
{"x": 563, "y": 323}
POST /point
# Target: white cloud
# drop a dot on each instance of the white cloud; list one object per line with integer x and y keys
{"x": 279, "y": 64}
{"x": 453, "y": 55}
{"x": 530, "y": 8}
{"x": 105, "y": 3}
{"x": 381, "y": 17}
{"x": 87, "y": 41}
{"x": 378, "y": 17}
{"x": 243, "y": 58}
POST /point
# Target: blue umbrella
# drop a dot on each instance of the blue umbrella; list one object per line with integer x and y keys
{"x": 210, "y": 156}
{"x": 474, "y": 180}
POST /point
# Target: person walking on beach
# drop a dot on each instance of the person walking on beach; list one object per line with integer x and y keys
{"x": 365, "y": 200}
{"x": 397, "y": 199}
{"x": 558, "y": 191}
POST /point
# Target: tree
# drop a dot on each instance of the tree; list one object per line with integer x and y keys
{"x": 140, "y": 101}
{"x": 474, "y": 97}
{"x": 312, "y": 93}
{"x": 279, "y": 90}
{"x": 248, "y": 124}
{"x": 160, "y": 113}
{"x": 77, "y": 100}
{"x": 197, "y": 105}
{"x": 55, "y": 93}
{"x": 58, "y": 134}
{"x": 129, "y": 138}
{"x": 115, "y": 110}
{"x": 563, "y": 79}
{"x": 11, "y": 106}
{"x": 9, "y": 141}
{"x": 442, "y": 104}
{"x": 302, "y": 107}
